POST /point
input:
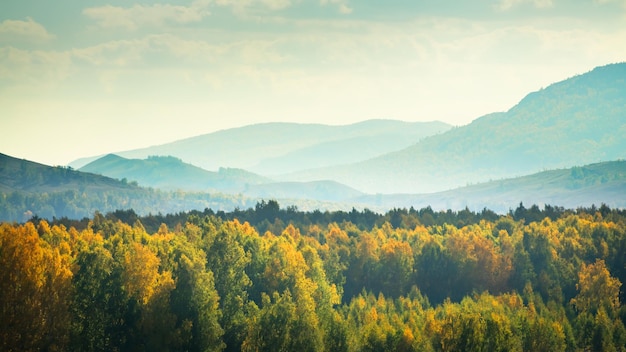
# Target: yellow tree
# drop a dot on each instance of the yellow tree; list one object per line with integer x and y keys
{"x": 597, "y": 289}
{"x": 34, "y": 291}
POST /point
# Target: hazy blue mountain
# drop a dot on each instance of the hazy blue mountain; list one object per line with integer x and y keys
{"x": 578, "y": 121}
{"x": 170, "y": 173}
{"x": 289, "y": 146}
{"x": 571, "y": 188}
{"x": 333, "y": 153}
{"x": 28, "y": 189}
{"x": 316, "y": 190}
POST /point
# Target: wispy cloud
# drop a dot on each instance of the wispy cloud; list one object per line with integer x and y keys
{"x": 504, "y": 5}
{"x": 131, "y": 18}
{"x": 342, "y": 5}
{"x": 28, "y": 30}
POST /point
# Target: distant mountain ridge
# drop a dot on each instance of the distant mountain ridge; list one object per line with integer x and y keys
{"x": 275, "y": 148}
{"x": 578, "y": 121}
{"x": 594, "y": 184}
{"x": 28, "y": 176}
{"x": 28, "y": 188}
{"x": 170, "y": 173}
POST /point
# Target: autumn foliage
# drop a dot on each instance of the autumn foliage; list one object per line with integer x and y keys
{"x": 406, "y": 283}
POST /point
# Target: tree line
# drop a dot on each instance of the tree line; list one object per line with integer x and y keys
{"x": 272, "y": 279}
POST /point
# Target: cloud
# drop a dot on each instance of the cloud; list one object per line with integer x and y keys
{"x": 244, "y": 8}
{"x": 32, "y": 68}
{"x": 28, "y": 30}
{"x": 504, "y": 5}
{"x": 342, "y": 5}
{"x": 131, "y": 18}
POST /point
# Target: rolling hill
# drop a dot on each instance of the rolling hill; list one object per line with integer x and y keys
{"x": 27, "y": 176}
{"x": 571, "y": 188}
{"x": 170, "y": 173}
{"x": 578, "y": 121}
{"x": 30, "y": 189}
{"x": 274, "y": 148}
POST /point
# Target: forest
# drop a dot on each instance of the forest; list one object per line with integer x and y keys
{"x": 272, "y": 279}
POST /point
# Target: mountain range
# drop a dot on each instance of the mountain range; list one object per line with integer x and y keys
{"x": 594, "y": 184}
{"x": 277, "y": 148}
{"x": 575, "y": 122}
{"x": 170, "y": 173}
{"x": 561, "y": 145}
{"x": 28, "y": 188}
{"x": 578, "y": 121}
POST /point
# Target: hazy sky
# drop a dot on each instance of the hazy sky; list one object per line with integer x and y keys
{"x": 81, "y": 78}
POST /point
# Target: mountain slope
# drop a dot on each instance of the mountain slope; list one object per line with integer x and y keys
{"x": 27, "y": 176}
{"x": 316, "y": 190}
{"x": 28, "y": 189}
{"x": 571, "y": 188}
{"x": 333, "y": 153}
{"x": 254, "y": 147}
{"x": 171, "y": 173}
{"x": 578, "y": 121}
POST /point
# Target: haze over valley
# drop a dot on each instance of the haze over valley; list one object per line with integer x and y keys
{"x": 562, "y": 145}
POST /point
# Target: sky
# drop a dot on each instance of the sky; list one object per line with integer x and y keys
{"x": 84, "y": 78}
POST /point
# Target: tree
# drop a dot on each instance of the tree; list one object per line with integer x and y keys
{"x": 35, "y": 288}
{"x": 597, "y": 289}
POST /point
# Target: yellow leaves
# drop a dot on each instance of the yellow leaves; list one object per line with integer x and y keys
{"x": 596, "y": 288}
{"x": 371, "y": 316}
{"x": 292, "y": 233}
{"x": 141, "y": 273}
{"x": 245, "y": 229}
{"x": 34, "y": 284}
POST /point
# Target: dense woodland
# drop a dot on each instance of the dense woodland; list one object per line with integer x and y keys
{"x": 272, "y": 279}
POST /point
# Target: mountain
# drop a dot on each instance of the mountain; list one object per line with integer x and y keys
{"x": 316, "y": 190}
{"x": 27, "y": 176}
{"x": 578, "y": 121}
{"x": 570, "y": 188}
{"x": 274, "y": 148}
{"x": 334, "y": 153}
{"x": 170, "y": 173}
{"x": 28, "y": 189}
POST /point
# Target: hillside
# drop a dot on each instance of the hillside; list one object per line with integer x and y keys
{"x": 263, "y": 147}
{"x": 578, "y": 121}
{"x": 170, "y": 173}
{"x": 334, "y": 153}
{"x": 28, "y": 189}
{"x": 594, "y": 184}
{"x": 23, "y": 175}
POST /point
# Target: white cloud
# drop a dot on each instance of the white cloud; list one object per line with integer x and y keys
{"x": 136, "y": 16}
{"x": 342, "y": 5}
{"x": 33, "y": 68}
{"x": 504, "y": 5}
{"x": 344, "y": 9}
{"x": 28, "y": 30}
